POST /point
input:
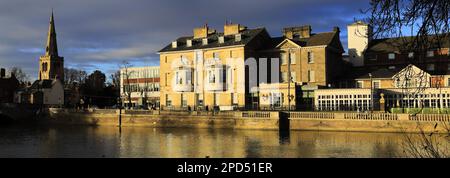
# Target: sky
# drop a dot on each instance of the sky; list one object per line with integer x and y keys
{"x": 100, "y": 34}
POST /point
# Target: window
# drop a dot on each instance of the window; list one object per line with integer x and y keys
{"x": 293, "y": 77}
{"x": 188, "y": 77}
{"x": 311, "y": 77}
{"x": 178, "y": 78}
{"x": 216, "y": 55}
{"x": 183, "y": 100}
{"x": 165, "y": 58}
{"x": 212, "y": 77}
{"x": 283, "y": 59}
{"x": 168, "y": 101}
{"x": 189, "y": 43}
{"x": 165, "y": 79}
{"x": 359, "y": 84}
{"x": 448, "y": 82}
{"x": 174, "y": 44}
{"x": 292, "y": 58}
{"x": 284, "y": 77}
{"x": 238, "y": 37}
{"x": 430, "y": 67}
{"x": 430, "y": 53}
{"x": 410, "y": 55}
{"x": 310, "y": 57}
{"x": 376, "y": 84}
{"x": 391, "y": 56}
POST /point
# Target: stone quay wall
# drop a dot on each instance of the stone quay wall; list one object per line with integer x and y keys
{"x": 234, "y": 120}
{"x": 319, "y": 121}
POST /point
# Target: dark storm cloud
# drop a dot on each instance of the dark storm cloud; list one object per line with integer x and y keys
{"x": 99, "y": 34}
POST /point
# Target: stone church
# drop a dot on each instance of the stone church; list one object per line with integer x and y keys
{"x": 48, "y": 89}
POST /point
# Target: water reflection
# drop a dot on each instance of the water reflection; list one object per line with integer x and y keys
{"x": 80, "y": 141}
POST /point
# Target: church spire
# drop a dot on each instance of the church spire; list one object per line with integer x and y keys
{"x": 52, "y": 47}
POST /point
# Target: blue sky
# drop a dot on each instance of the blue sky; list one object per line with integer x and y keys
{"x": 100, "y": 34}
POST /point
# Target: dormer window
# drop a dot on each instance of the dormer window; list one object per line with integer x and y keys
{"x": 205, "y": 41}
{"x": 391, "y": 56}
{"x": 174, "y": 44}
{"x": 221, "y": 39}
{"x": 188, "y": 43}
{"x": 410, "y": 55}
{"x": 430, "y": 53}
{"x": 237, "y": 37}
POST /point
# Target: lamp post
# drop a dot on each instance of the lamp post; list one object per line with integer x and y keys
{"x": 371, "y": 93}
{"x": 119, "y": 104}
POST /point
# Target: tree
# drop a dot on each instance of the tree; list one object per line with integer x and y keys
{"x": 96, "y": 81}
{"x": 72, "y": 76}
{"x": 420, "y": 26}
{"x": 20, "y": 75}
{"x": 115, "y": 78}
{"x": 125, "y": 78}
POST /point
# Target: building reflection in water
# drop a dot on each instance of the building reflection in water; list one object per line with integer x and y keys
{"x": 79, "y": 141}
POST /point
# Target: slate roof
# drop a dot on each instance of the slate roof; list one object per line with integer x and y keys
{"x": 246, "y": 36}
{"x": 363, "y": 72}
{"x": 393, "y": 44}
{"x": 316, "y": 39}
{"x": 39, "y": 84}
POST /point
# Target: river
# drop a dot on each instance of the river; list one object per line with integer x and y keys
{"x": 89, "y": 141}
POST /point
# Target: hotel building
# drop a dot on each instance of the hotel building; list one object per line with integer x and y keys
{"x": 246, "y": 68}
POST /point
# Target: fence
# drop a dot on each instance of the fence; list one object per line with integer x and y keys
{"x": 430, "y": 117}
{"x": 257, "y": 114}
{"x": 371, "y": 116}
{"x": 312, "y": 115}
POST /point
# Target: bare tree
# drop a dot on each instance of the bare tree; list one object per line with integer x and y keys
{"x": 20, "y": 75}
{"x": 419, "y": 26}
{"x": 125, "y": 75}
{"x": 115, "y": 78}
{"x": 72, "y": 76}
{"x": 428, "y": 145}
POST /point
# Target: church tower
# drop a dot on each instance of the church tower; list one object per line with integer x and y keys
{"x": 51, "y": 65}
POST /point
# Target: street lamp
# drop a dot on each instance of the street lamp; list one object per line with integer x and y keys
{"x": 119, "y": 104}
{"x": 371, "y": 93}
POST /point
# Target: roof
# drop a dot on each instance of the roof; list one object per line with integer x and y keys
{"x": 246, "y": 36}
{"x": 363, "y": 72}
{"x": 317, "y": 39}
{"x": 39, "y": 84}
{"x": 394, "y": 44}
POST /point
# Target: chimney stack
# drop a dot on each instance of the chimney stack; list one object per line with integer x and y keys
{"x": 2, "y": 73}
{"x": 297, "y": 32}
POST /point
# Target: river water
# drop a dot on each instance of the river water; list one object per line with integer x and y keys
{"x": 88, "y": 141}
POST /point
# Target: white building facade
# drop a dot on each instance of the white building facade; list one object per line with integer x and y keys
{"x": 142, "y": 85}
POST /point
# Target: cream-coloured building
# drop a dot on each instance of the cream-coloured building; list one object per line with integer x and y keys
{"x": 237, "y": 68}
{"x": 141, "y": 84}
{"x": 207, "y": 70}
